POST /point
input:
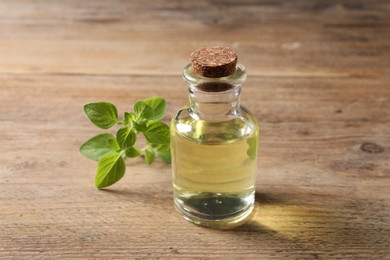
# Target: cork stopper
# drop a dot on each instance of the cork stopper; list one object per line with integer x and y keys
{"x": 214, "y": 62}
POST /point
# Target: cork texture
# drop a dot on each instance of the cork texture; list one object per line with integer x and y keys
{"x": 214, "y": 62}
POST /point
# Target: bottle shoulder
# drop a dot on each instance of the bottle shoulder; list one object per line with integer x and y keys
{"x": 242, "y": 125}
{"x": 243, "y": 113}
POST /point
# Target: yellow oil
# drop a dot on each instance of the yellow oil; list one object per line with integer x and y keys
{"x": 214, "y": 168}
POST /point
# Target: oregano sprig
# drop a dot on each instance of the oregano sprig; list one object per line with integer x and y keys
{"x": 110, "y": 151}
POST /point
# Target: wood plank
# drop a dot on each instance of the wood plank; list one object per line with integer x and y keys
{"x": 274, "y": 21}
{"x": 280, "y": 228}
{"x": 133, "y": 37}
{"x": 138, "y": 57}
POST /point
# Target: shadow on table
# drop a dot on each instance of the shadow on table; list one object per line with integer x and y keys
{"x": 305, "y": 222}
{"x": 312, "y": 223}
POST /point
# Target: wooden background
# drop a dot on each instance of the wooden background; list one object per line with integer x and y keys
{"x": 318, "y": 83}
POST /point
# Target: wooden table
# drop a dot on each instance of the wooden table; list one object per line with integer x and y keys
{"x": 318, "y": 83}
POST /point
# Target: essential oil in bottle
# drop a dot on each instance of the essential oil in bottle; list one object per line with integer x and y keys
{"x": 214, "y": 143}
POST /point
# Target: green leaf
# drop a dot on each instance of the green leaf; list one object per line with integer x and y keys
{"x": 102, "y": 114}
{"x": 163, "y": 147}
{"x": 140, "y": 127}
{"x": 165, "y": 156}
{"x": 111, "y": 169}
{"x": 149, "y": 156}
{"x": 113, "y": 144}
{"x": 96, "y": 147}
{"x": 126, "y": 137}
{"x": 132, "y": 152}
{"x": 157, "y": 133}
{"x": 153, "y": 145}
{"x": 142, "y": 110}
{"x": 128, "y": 118}
{"x": 158, "y": 105}
{"x": 164, "y": 153}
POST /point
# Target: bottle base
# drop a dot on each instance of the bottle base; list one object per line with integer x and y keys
{"x": 216, "y": 210}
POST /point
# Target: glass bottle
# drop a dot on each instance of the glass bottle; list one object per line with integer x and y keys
{"x": 214, "y": 151}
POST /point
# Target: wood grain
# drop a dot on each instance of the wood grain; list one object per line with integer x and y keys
{"x": 318, "y": 83}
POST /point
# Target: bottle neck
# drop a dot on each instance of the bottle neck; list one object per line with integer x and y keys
{"x": 214, "y": 98}
{"x": 214, "y": 105}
